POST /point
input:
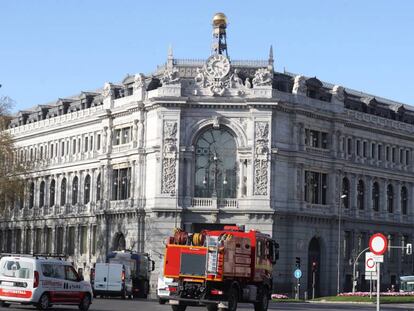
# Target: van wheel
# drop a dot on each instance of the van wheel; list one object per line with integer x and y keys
{"x": 179, "y": 307}
{"x": 124, "y": 294}
{"x": 5, "y": 304}
{"x": 85, "y": 303}
{"x": 44, "y": 302}
{"x": 212, "y": 307}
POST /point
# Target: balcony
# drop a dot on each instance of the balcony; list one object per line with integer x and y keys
{"x": 214, "y": 203}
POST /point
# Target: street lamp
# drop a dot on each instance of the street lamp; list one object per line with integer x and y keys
{"x": 343, "y": 196}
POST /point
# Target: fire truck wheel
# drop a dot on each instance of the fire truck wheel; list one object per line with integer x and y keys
{"x": 179, "y": 307}
{"x": 212, "y": 307}
{"x": 263, "y": 300}
{"x": 233, "y": 298}
{"x": 85, "y": 303}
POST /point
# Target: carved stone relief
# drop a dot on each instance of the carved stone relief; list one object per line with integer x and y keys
{"x": 261, "y": 161}
{"x": 170, "y": 76}
{"x": 169, "y": 158}
{"x": 262, "y": 77}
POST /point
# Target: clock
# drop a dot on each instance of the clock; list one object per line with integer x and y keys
{"x": 217, "y": 66}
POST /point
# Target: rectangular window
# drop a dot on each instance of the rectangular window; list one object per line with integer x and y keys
{"x": 364, "y": 144}
{"x": 91, "y": 143}
{"x": 83, "y": 239}
{"x": 349, "y": 146}
{"x": 67, "y": 147}
{"x": 315, "y": 187}
{"x": 121, "y": 183}
{"x": 407, "y": 157}
{"x": 347, "y": 245}
{"x": 49, "y": 241}
{"x": 117, "y": 137}
{"x": 73, "y": 146}
{"x": 93, "y": 251}
{"x": 62, "y": 150}
{"x": 41, "y": 153}
{"x": 387, "y": 153}
{"x": 380, "y": 152}
{"x": 393, "y": 154}
{"x": 358, "y": 147}
{"x": 18, "y": 241}
{"x": 28, "y": 241}
{"x": 71, "y": 241}
{"x": 98, "y": 142}
{"x": 126, "y": 132}
{"x": 313, "y": 138}
{"x": 79, "y": 145}
{"x": 59, "y": 240}
{"x": 38, "y": 241}
{"x": 401, "y": 155}
{"x": 85, "y": 146}
{"x": 373, "y": 151}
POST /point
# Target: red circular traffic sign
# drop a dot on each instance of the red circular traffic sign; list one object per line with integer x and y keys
{"x": 370, "y": 263}
{"x": 378, "y": 244}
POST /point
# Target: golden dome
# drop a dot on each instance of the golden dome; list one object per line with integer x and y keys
{"x": 219, "y": 19}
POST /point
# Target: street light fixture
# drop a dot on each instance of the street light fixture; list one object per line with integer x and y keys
{"x": 343, "y": 196}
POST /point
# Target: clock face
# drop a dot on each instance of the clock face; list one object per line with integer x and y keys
{"x": 218, "y": 66}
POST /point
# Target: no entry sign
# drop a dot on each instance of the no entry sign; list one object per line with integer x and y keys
{"x": 378, "y": 244}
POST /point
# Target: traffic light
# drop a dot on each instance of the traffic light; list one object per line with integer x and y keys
{"x": 297, "y": 263}
{"x": 314, "y": 266}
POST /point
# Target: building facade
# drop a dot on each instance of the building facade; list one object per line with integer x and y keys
{"x": 204, "y": 143}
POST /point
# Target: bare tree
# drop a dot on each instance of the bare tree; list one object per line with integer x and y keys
{"x": 12, "y": 171}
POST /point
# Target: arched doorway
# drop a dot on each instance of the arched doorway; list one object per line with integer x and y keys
{"x": 119, "y": 243}
{"x": 314, "y": 267}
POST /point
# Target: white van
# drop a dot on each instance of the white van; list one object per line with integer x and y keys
{"x": 42, "y": 282}
{"x": 112, "y": 279}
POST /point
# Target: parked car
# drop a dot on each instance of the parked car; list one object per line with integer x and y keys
{"x": 112, "y": 279}
{"x": 163, "y": 291}
{"x": 42, "y": 282}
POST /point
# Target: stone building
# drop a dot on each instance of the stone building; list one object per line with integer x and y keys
{"x": 203, "y": 143}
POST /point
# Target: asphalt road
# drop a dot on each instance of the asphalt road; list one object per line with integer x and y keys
{"x": 152, "y": 305}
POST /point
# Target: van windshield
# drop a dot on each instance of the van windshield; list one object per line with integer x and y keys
{"x": 16, "y": 269}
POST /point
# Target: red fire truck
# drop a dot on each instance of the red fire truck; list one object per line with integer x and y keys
{"x": 220, "y": 268}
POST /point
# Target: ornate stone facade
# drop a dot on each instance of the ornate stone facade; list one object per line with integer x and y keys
{"x": 120, "y": 165}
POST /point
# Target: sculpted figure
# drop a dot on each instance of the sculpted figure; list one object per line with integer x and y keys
{"x": 199, "y": 78}
{"x": 236, "y": 81}
{"x": 299, "y": 85}
{"x": 262, "y": 77}
{"x": 338, "y": 93}
{"x": 171, "y": 76}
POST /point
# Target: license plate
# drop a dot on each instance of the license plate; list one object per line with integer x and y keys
{"x": 5, "y": 283}
{"x": 174, "y": 302}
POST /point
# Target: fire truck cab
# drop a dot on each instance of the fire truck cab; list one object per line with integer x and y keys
{"x": 220, "y": 268}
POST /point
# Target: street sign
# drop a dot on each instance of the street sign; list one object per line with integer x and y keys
{"x": 378, "y": 244}
{"x": 409, "y": 249}
{"x": 297, "y": 273}
{"x": 378, "y": 258}
{"x": 370, "y": 265}
{"x": 371, "y": 276}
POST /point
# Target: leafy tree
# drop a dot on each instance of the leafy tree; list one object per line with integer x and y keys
{"x": 12, "y": 171}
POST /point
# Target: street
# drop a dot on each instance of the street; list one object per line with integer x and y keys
{"x": 152, "y": 305}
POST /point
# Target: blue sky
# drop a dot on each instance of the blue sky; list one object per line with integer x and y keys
{"x": 57, "y": 48}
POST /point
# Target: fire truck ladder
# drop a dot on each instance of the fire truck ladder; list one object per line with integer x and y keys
{"x": 212, "y": 255}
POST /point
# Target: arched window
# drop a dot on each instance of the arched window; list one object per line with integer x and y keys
{"x": 375, "y": 197}
{"x": 31, "y": 195}
{"x": 404, "y": 200}
{"x": 75, "y": 190}
{"x": 42, "y": 194}
{"x": 360, "y": 197}
{"x": 63, "y": 192}
{"x": 98, "y": 187}
{"x": 87, "y": 190}
{"x": 215, "y": 164}
{"x": 345, "y": 192}
{"x": 52, "y": 193}
{"x": 390, "y": 199}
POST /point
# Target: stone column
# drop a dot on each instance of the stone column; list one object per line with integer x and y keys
{"x": 301, "y": 136}
{"x": 135, "y": 133}
{"x": 353, "y": 187}
{"x": 368, "y": 196}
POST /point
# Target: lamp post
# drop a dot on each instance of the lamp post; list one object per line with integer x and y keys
{"x": 343, "y": 196}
